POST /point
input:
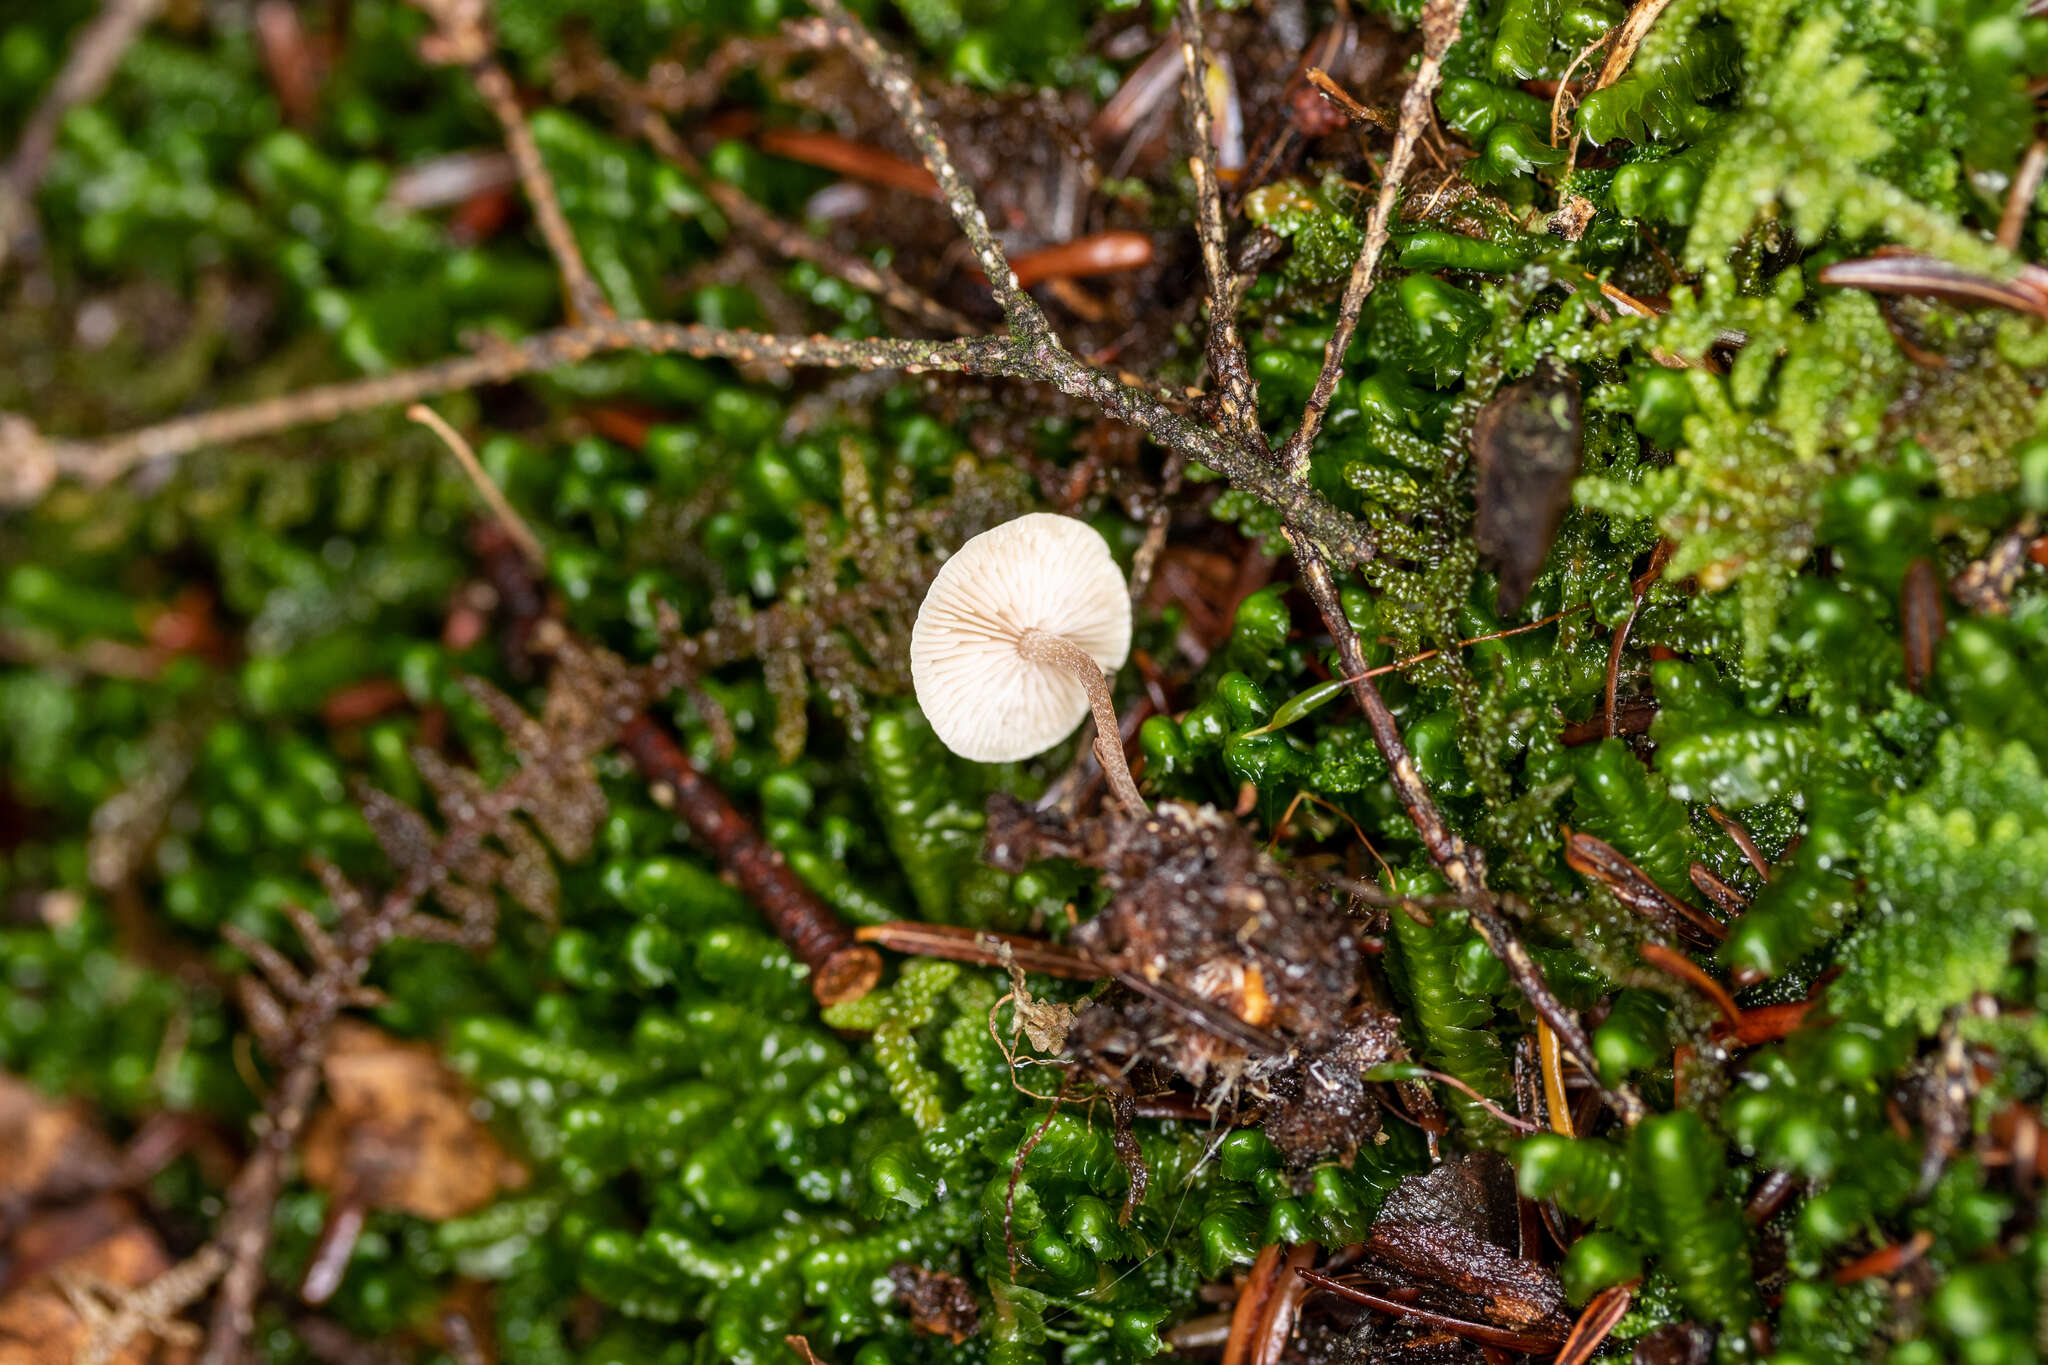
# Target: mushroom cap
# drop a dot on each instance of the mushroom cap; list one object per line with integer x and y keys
{"x": 1040, "y": 572}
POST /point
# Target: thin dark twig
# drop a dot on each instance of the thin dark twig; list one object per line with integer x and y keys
{"x": 586, "y": 301}
{"x": 97, "y": 462}
{"x": 841, "y": 968}
{"x": 1485, "y": 1333}
{"x": 895, "y": 83}
{"x": 958, "y": 943}
{"x": 1658, "y": 558}
{"x": 30, "y": 463}
{"x": 94, "y": 58}
{"x": 1461, "y": 863}
{"x": 786, "y": 239}
{"x": 1685, "y": 969}
{"x": 1237, "y": 401}
{"x": 1440, "y": 21}
{"x": 462, "y": 37}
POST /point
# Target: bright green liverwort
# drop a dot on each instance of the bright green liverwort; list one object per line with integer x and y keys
{"x": 714, "y": 1162}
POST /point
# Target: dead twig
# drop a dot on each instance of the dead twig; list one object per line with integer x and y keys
{"x": 1602, "y": 1315}
{"x": 1599, "y": 861}
{"x": 957, "y": 943}
{"x": 1237, "y": 399}
{"x": 1685, "y": 969}
{"x": 1533, "y": 1341}
{"x": 1462, "y": 864}
{"x": 1440, "y": 21}
{"x": 841, "y": 968}
{"x": 463, "y": 37}
{"x": 1633, "y": 30}
{"x": 95, "y": 57}
{"x": 786, "y": 239}
{"x": 895, "y": 83}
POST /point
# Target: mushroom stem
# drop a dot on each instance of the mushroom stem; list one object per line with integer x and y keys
{"x": 1044, "y": 647}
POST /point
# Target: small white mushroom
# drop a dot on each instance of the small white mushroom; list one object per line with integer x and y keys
{"x": 1014, "y": 639}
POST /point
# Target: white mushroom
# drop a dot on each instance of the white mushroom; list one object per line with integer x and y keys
{"x": 1014, "y": 639}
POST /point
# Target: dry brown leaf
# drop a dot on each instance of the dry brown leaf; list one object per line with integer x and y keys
{"x": 97, "y": 1245}
{"x": 50, "y": 1149}
{"x": 399, "y": 1131}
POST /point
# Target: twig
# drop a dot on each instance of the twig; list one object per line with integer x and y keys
{"x": 2026, "y": 186}
{"x": 841, "y": 968}
{"x": 29, "y": 463}
{"x": 1461, "y": 863}
{"x": 98, "y": 462}
{"x": 1560, "y": 101}
{"x": 150, "y": 1309}
{"x": 1742, "y": 839}
{"x": 1633, "y": 30}
{"x": 787, "y": 239}
{"x": 95, "y": 56}
{"x": 1347, "y": 104}
{"x": 1658, "y": 558}
{"x": 508, "y": 517}
{"x": 1606, "y": 1310}
{"x": 894, "y": 82}
{"x": 1599, "y": 861}
{"x": 1237, "y": 401}
{"x": 462, "y": 37}
{"x": 586, "y": 301}
{"x": 1440, "y": 20}
{"x": 343, "y": 960}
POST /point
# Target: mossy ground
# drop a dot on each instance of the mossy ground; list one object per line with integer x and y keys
{"x": 1839, "y": 655}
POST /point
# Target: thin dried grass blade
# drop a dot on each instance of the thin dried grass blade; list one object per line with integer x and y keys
{"x": 1927, "y": 277}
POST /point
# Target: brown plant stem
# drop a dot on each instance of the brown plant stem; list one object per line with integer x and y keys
{"x": 1633, "y": 30}
{"x": 1462, "y": 864}
{"x": 514, "y": 525}
{"x": 587, "y": 302}
{"x": 1685, "y": 969}
{"x": 1440, "y": 21}
{"x": 1599, "y": 861}
{"x": 895, "y": 83}
{"x": 786, "y": 239}
{"x": 94, "y": 58}
{"x": 1237, "y": 402}
{"x": 2019, "y": 202}
{"x": 958, "y": 943}
{"x": 1532, "y": 1341}
{"x": 841, "y": 967}
{"x": 29, "y": 463}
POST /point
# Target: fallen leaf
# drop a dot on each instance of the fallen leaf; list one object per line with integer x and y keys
{"x": 1525, "y": 445}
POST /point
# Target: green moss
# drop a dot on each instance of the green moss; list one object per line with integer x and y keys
{"x": 715, "y": 1162}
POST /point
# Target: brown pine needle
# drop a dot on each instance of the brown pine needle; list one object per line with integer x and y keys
{"x": 529, "y": 544}
{"x": 1607, "y": 1309}
{"x": 1688, "y": 971}
{"x": 2026, "y": 185}
{"x": 1553, "y": 1080}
